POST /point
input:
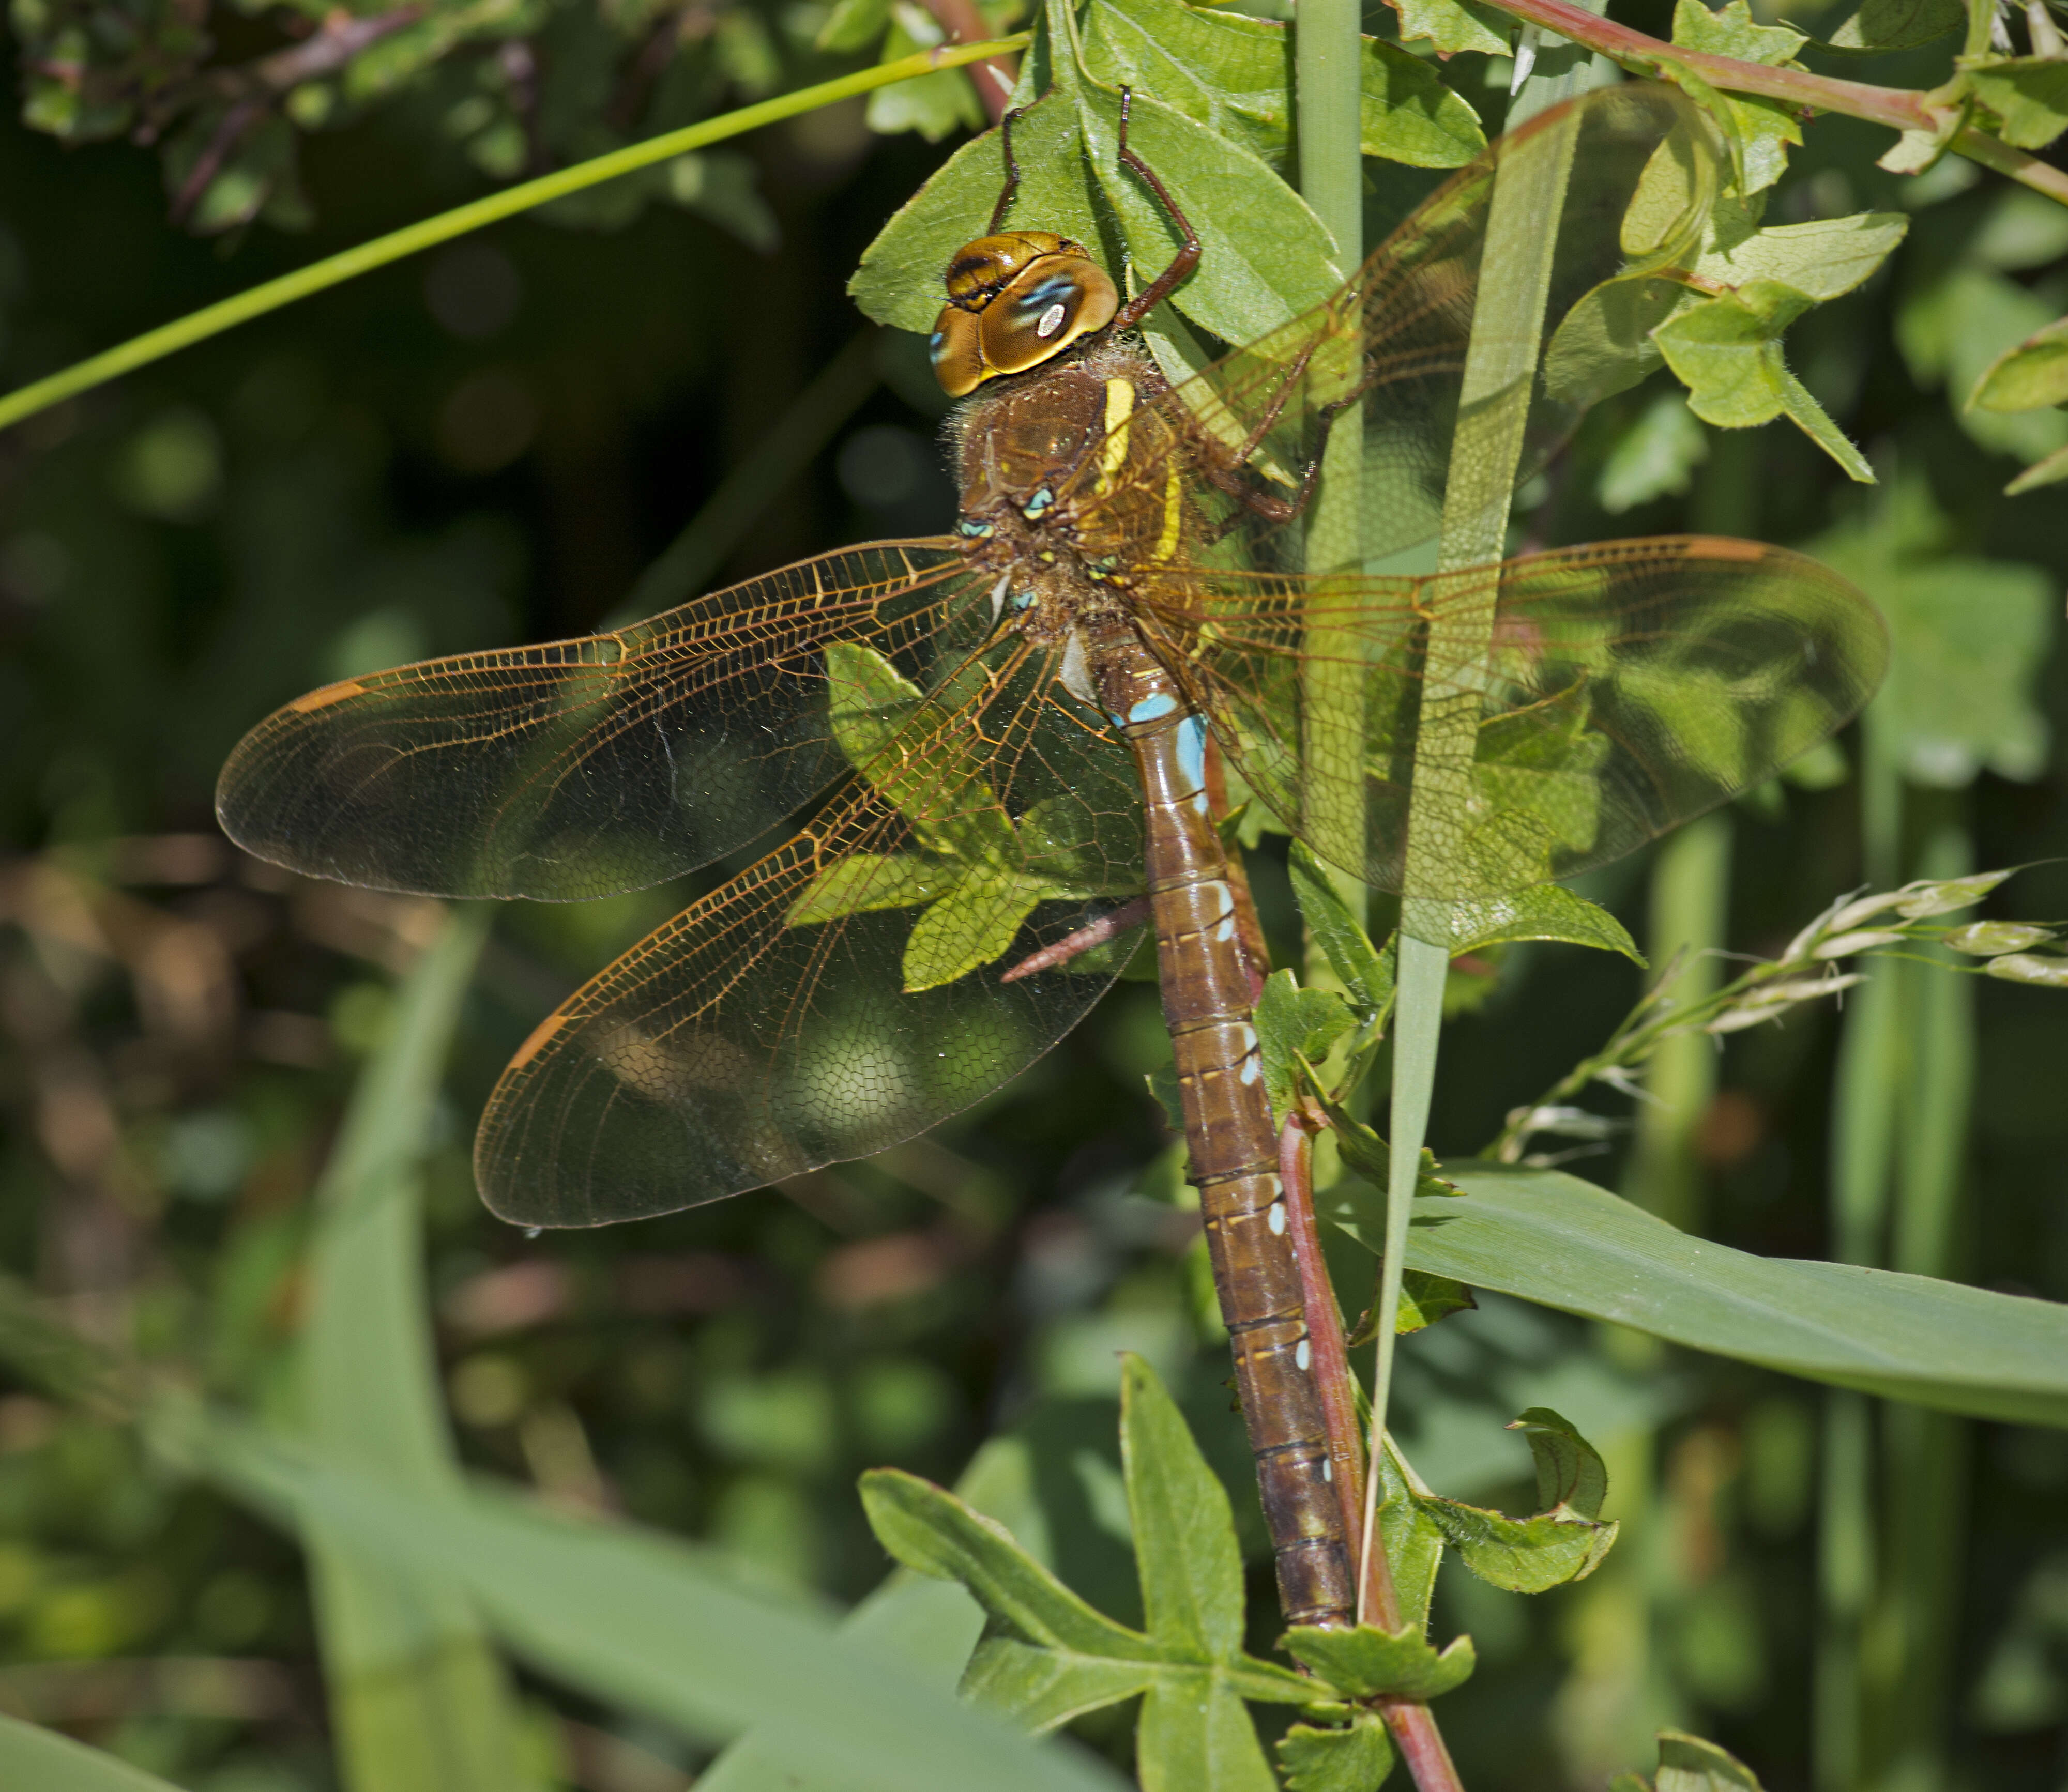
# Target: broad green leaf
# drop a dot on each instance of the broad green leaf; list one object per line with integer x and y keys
{"x": 420, "y": 1700}
{"x": 1954, "y": 324}
{"x": 1655, "y": 457}
{"x": 1184, "y": 1532}
{"x": 1366, "y": 971}
{"x": 973, "y": 924}
{"x": 1266, "y": 258}
{"x": 1231, "y": 73}
{"x": 1760, "y": 129}
{"x": 1453, "y": 26}
{"x": 1688, "y": 1764}
{"x": 1546, "y": 1237}
{"x": 644, "y": 1623}
{"x": 881, "y": 719}
{"x": 1367, "y": 1662}
{"x": 867, "y": 881}
{"x": 854, "y": 25}
{"x": 43, "y": 1760}
{"x": 1047, "y": 1656}
{"x": 1569, "y": 1470}
{"x": 1196, "y": 1735}
{"x": 2033, "y": 374}
{"x": 1355, "y": 1758}
{"x": 1292, "y": 1023}
{"x": 1542, "y": 912}
{"x": 1727, "y": 351}
{"x": 1880, "y": 26}
{"x": 1823, "y": 258}
{"x": 2029, "y": 95}
{"x": 1968, "y": 638}
{"x": 932, "y": 105}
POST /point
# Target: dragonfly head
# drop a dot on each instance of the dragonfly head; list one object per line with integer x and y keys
{"x": 1013, "y": 302}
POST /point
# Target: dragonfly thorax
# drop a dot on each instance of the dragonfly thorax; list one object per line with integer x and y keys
{"x": 1039, "y": 462}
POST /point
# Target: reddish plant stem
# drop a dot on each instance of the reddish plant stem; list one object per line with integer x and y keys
{"x": 994, "y": 80}
{"x": 1900, "y": 109}
{"x": 1412, "y": 1723}
{"x": 1324, "y": 1324}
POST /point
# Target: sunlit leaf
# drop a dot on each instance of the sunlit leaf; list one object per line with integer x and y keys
{"x": 1367, "y": 1662}
{"x": 1355, "y": 1757}
{"x": 2029, "y": 95}
{"x": 2033, "y": 374}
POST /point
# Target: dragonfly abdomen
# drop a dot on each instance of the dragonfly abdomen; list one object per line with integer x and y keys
{"x": 1230, "y": 1138}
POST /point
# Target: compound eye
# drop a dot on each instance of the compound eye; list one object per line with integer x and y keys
{"x": 1056, "y": 301}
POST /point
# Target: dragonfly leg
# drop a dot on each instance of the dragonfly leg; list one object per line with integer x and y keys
{"x": 1228, "y": 476}
{"x": 1011, "y": 190}
{"x": 1186, "y": 259}
{"x": 1072, "y": 945}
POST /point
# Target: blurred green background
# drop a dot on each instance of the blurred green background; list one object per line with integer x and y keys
{"x": 498, "y": 442}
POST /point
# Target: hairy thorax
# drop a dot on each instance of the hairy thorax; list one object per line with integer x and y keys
{"x": 1070, "y": 483}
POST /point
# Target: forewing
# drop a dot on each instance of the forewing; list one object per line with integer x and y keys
{"x": 578, "y": 769}
{"x": 1612, "y": 692}
{"x": 844, "y": 992}
{"x": 1640, "y": 180}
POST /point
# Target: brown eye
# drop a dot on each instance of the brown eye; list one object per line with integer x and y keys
{"x": 1014, "y": 302}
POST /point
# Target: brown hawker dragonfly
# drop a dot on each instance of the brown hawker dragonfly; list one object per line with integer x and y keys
{"x": 1006, "y": 731}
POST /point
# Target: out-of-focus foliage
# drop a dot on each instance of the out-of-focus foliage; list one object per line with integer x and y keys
{"x": 489, "y": 446}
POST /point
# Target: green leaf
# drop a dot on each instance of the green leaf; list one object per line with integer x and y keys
{"x": 1968, "y": 638}
{"x": 933, "y": 1533}
{"x": 2029, "y": 96}
{"x": 1569, "y": 1470}
{"x": 1687, "y": 1763}
{"x": 1047, "y": 1656}
{"x": 1292, "y": 1023}
{"x": 1412, "y": 1540}
{"x": 2033, "y": 374}
{"x": 645, "y": 1623}
{"x": 1759, "y": 129}
{"x": 2050, "y": 471}
{"x": 1424, "y": 1299}
{"x": 1266, "y": 258}
{"x": 1823, "y": 258}
{"x": 46, "y": 1762}
{"x": 1953, "y": 326}
{"x": 1522, "y": 1555}
{"x": 1367, "y": 1662}
{"x": 922, "y": 760}
{"x": 868, "y": 880}
{"x": 973, "y": 924}
{"x": 1546, "y": 1237}
{"x": 1184, "y": 1532}
{"x": 1655, "y": 457}
{"x": 1542, "y": 912}
{"x": 1356, "y": 1758}
{"x": 421, "y": 1701}
{"x": 854, "y": 25}
{"x": 1364, "y": 1151}
{"x": 932, "y": 1624}
{"x": 1231, "y": 73}
{"x": 1453, "y": 26}
{"x": 1366, "y": 972}
{"x": 1881, "y": 26}
{"x": 1727, "y": 351}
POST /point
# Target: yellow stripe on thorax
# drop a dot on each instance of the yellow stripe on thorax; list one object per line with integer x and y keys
{"x": 1174, "y": 509}
{"x": 1119, "y": 408}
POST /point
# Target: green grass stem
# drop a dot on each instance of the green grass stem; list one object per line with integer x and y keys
{"x": 270, "y": 295}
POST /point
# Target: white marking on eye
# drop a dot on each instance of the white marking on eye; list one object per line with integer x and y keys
{"x": 1051, "y": 320}
{"x": 1303, "y": 1355}
{"x": 1277, "y": 1218}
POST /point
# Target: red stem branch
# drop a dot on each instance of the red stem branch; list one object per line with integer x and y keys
{"x": 1411, "y": 1722}
{"x": 1900, "y": 109}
